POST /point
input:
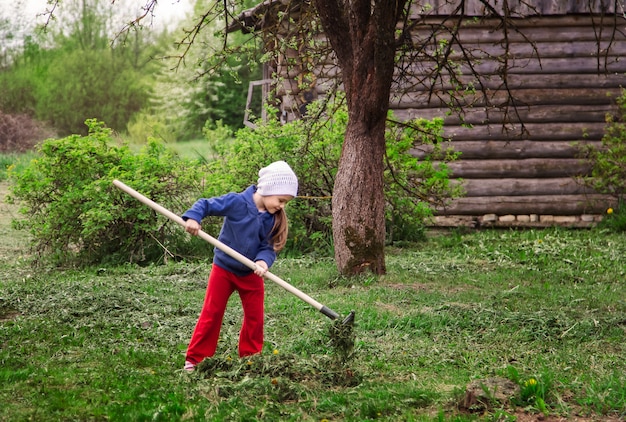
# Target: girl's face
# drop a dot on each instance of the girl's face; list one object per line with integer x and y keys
{"x": 274, "y": 203}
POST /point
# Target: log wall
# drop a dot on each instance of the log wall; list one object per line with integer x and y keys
{"x": 519, "y": 166}
{"x": 526, "y": 172}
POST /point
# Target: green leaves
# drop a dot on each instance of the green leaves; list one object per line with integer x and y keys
{"x": 413, "y": 185}
{"x": 75, "y": 214}
{"x": 609, "y": 165}
{"x": 313, "y": 147}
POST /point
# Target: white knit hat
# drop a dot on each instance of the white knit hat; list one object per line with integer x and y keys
{"x": 277, "y": 179}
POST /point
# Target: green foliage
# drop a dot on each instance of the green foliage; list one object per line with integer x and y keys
{"x": 13, "y": 162}
{"x": 21, "y": 81}
{"x": 313, "y": 147}
{"x": 84, "y": 84}
{"x": 609, "y": 160}
{"x": 535, "y": 391}
{"x": 615, "y": 219}
{"x": 413, "y": 186}
{"x": 221, "y": 95}
{"x": 217, "y": 133}
{"x": 608, "y": 174}
{"x": 144, "y": 125}
{"x": 74, "y": 213}
{"x": 213, "y": 86}
{"x": 65, "y": 78}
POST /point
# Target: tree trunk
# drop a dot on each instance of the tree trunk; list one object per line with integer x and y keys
{"x": 362, "y": 35}
{"x": 358, "y": 202}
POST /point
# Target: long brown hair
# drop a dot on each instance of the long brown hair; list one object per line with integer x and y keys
{"x": 280, "y": 230}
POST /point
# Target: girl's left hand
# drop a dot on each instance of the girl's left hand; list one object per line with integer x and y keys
{"x": 261, "y": 268}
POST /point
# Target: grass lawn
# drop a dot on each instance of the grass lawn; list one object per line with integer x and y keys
{"x": 490, "y": 325}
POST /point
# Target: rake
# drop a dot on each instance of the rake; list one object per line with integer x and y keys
{"x": 236, "y": 255}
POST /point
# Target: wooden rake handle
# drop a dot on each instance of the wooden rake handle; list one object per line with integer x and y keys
{"x": 228, "y": 250}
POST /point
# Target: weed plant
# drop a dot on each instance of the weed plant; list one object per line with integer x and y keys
{"x": 543, "y": 309}
{"x": 615, "y": 219}
{"x": 14, "y": 161}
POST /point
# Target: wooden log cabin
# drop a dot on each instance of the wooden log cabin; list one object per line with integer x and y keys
{"x": 520, "y": 165}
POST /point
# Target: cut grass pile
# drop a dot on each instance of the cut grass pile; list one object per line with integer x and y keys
{"x": 544, "y": 310}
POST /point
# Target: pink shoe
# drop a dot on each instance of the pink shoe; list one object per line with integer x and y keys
{"x": 189, "y": 367}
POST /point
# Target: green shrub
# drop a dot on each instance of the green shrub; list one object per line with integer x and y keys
{"x": 414, "y": 186}
{"x": 83, "y": 85}
{"x": 609, "y": 160}
{"x": 74, "y": 213}
{"x": 143, "y": 125}
{"x": 608, "y": 174}
{"x": 313, "y": 147}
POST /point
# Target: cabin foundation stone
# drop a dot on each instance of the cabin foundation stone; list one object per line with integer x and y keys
{"x": 519, "y": 221}
{"x": 507, "y": 218}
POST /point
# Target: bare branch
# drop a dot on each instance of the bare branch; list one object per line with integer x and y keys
{"x": 49, "y": 13}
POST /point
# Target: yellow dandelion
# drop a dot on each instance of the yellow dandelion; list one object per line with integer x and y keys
{"x": 531, "y": 382}
{"x": 609, "y": 211}
{"x": 228, "y": 358}
{"x": 275, "y": 351}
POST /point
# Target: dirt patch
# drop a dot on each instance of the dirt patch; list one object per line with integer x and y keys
{"x": 20, "y": 132}
{"x": 480, "y": 395}
{"x": 8, "y": 316}
{"x": 485, "y": 395}
{"x": 523, "y": 416}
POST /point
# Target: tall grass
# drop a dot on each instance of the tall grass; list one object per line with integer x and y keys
{"x": 15, "y": 161}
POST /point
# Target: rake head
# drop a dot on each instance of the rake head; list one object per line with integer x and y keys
{"x": 349, "y": 319}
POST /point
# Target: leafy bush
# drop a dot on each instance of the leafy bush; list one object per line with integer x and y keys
{"x": 413, "y": 186}
{"x": 74, "y": 213}
{"x": 609, "y": 165}
{"x": 21, "y": 79}
{"x": 609, "y": 161}
{"x": 313, "y": 147}
{"x": 143, "y": 125}
{"x": 90, "y": 84}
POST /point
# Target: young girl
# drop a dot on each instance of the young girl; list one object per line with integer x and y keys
{"x": 255, "y": 225}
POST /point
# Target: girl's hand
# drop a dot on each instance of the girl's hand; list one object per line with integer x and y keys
{"x": 192, "y": 227}
{"x": 261, "y": 268}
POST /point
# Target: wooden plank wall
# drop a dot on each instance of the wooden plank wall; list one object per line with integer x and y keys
{"x": 515, "y": 8}
{"x": 565, "y": 70}
{"x": 525, "y": 172}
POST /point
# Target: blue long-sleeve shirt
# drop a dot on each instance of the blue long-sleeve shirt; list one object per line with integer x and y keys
{"x": 245, "y": 229}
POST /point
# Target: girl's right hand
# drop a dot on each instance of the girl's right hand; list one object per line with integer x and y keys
{"x": 192, "y": 227}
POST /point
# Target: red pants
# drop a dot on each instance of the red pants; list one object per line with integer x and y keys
{"x": 222, "y": 284}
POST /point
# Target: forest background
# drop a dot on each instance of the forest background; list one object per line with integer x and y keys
{"x": 82, "y": 64}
